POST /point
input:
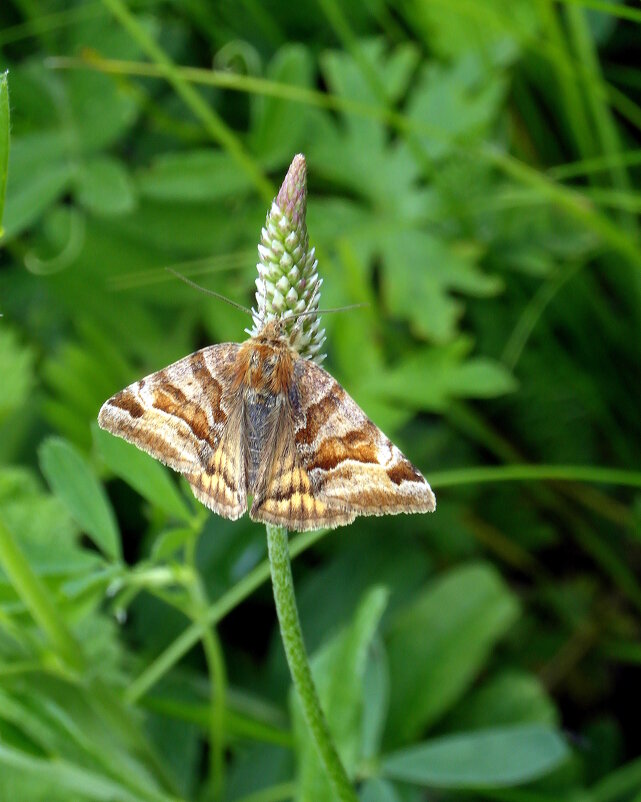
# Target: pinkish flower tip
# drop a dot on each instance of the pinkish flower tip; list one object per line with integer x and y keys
{"x": 292, "y": 196}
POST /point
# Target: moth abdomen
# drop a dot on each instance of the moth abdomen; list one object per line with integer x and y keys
{"x": 259, "y": 409}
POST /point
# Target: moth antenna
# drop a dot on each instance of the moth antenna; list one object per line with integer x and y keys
{"x": 330, "y": 311}
{"x": 209, "y": 292}
{"x": 264, "y": 297}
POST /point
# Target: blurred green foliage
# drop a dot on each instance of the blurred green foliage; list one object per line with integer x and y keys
{"x": 473, "y": 171}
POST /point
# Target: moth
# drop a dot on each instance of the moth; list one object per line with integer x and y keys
{"x": 256, "y": 419}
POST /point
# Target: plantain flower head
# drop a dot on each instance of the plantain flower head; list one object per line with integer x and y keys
{"x": 288, "y": 281}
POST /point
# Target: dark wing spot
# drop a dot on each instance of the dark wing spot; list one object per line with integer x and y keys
{"x": 190, "y": 413}
{"x": 359, "y": 446}
{"x": 169, "y": 389}
{"x": 210, "y": 386}
{"x": 125, "y": 400}
{"x": 316, "y": 415}
{"x": 404, "y": 471}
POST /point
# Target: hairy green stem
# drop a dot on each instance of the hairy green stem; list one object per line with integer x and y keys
{"x": 291, "y": 633}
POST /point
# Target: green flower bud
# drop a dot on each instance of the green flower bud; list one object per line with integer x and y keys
{"x": 288, "y": 281}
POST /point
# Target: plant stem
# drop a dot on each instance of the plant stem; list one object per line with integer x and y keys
{"x": 214, "y": 125}
{"x": 217, "y": 675}
{"x": 178, "y": 648}
{"x": 291, "y": 633}
{"x": 537, "y": 473}
{"x": 4, "y": 141}
{"x": 275, "y": 793}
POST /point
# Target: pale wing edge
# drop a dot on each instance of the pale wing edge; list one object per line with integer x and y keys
{"x": 352, "y": 464}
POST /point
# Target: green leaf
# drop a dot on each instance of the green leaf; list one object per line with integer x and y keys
{"x": 509, "y": 698}
{"x": 17, "y": 368}
{"x": 101, "y": 109}
{"x": 420, "y": 270}
{"x": 377, "y": 790}
{"x": 496, "y": 29}
{"x": 39, "y": 173}
{"x": 431, "y": 377}
{"x": 362, "y": 562}
{"x": 339, "y": 670}
{"x": 74, "y": 779}
{"x": 376, "y": 691}
{"x": 171, "y": 541}
{"x": 4, "y": 141}
{"x": 81, "y": 373}
{"x": 33, "y": 97}
{"x": 86, "y": 727}
{"x": 279, "y": 125}
{"x": 357, "y": 153}
{"x": 72, "y": 479}
{"x": 486, "y": 759}
{"x": 195, "y": 175}
{"x": 142, "y": 472}
{"x": 458, "y": 101}
{"x": 192, "y": 228}
{"x": 47, "y": 534}
{"x": 104, "y": 187}
{"x": 439, "y": 643}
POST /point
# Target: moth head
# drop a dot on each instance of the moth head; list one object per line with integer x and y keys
{"x": 273, "y": 331}
{"x": 288, "y": 328}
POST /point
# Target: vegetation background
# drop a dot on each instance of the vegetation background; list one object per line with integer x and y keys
{"x": 472, "y": 173}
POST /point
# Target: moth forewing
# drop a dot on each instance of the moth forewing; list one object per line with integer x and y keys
{"x": 186, "y": 416}
{"x": 257, "y": 418}
{"x": 221, "y": 484}
{"x": 347, "y": 457}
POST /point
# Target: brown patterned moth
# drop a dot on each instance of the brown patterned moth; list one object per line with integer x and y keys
{"x": 258, "y": 419}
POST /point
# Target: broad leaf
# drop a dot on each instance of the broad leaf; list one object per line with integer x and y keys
{"x": 440, "y": 642}
{"x": 40, "y": 171}
{"x": 72, "y": 479}
{"x": 142, "y": 472}
{"x": 377, "y": 790}
{"x": 79, "y": 782}
{"x": 47, "y": 534}
{"x": 484, "y": 759}
{"x": 278, "y": 125}
{"x": 496, "y": 29}
{"x": 391, "y": 219}
{"x": 170, "y": 541}
{"x": 508, "y": 698}
{"x": 196, "y": 175}
{"x": 339, "y": 670}
{"x": 418, "y": 266}
{"x": 376, "y": 693}
{"x": 16, "y": 362}
{"x": 430, "y": 378}
{"x": 101, "y": 110}
{"x": 456, "y": 103}
{"x": 103, "y": 186}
